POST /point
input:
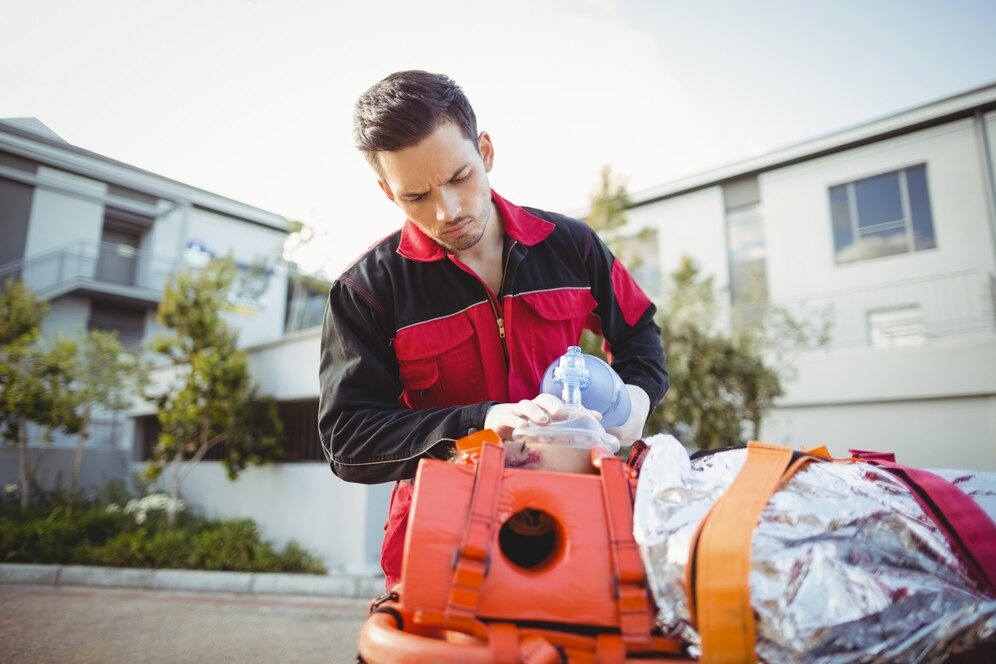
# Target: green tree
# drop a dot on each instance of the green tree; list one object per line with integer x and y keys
{"x": 35, "y": 380}
{"x": 106, "y": 375}
{"x": 212, "y": 400}
{"x": 607, "y": 213}
{"x": 723, "y": 384}
{"x": 607, "y": 217}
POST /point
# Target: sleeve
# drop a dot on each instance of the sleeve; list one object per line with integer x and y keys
{"x": 626, "y": 321}
{"x": 368, "y": 436}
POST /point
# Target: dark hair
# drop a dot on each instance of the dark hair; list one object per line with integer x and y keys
{"x": 402, "y": 109}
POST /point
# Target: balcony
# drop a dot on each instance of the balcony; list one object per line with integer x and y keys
{"x": 103, "y": 270}
{"x": 908, "y": 312}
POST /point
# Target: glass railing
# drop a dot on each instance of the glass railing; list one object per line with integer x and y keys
{"x": 93, "y": 265}
{"x": 904, "y": 312}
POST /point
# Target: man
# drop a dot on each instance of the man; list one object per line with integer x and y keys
{"x": 446, "y": 326}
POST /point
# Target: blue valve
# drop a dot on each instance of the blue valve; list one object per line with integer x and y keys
{"x": 600, "y": 387}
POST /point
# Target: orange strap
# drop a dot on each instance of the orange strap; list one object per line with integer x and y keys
{"x": 629, "y": 583}
{"x": 721, "y": 557}
{"x": 471, "y": 559}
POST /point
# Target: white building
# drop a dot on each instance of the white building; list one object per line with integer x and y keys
{"x": 890, "y": 226}
{"x": 98, "y": 239}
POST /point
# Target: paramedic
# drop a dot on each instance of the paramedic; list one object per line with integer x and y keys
{"x": 447, "y": 325}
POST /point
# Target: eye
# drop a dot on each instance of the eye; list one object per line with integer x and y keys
{"x": 417, "y": 198}
{"x": 461, "y": 178}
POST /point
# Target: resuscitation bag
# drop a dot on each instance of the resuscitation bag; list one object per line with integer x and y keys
{"x": 605, "y": 393}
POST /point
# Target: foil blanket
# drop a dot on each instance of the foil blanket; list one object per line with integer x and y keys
{"x": 845, "y": 565}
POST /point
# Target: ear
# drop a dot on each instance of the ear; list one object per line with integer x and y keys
{"x": 487, "y": 150}
{"x": 387, "y": 191}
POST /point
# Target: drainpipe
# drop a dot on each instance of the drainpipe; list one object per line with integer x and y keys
{"x": 982, "y": 137}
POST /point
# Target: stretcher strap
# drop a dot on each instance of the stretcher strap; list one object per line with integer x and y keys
{"x": 472, "y": 558}
{"x": 629, "y": 576}
{"x": 721, "y": 590}
{"x": 967, "y": 526}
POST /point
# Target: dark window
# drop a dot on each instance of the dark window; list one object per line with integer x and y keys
{"x": 300, "y": 420}
{"x": 147, "y": 431}
{"x": 15, "y": 210}
{"x": 300, "y": 443}
{"x": 129, "y": 322}
{"x": 882, "y": 215}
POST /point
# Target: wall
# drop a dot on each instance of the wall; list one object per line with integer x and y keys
{"x": 58, "y": 219}
{"x": 339, "y": 521}
{"x": 261, "y": 320}
{"x": 934, "y": 405}
{"x": 796, "y": 211}
{"x": 695, "y": 225}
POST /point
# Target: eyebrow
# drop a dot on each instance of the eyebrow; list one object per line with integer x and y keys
{"x": 456, "y": 174}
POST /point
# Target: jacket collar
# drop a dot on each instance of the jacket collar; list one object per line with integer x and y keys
{"x": 520, "y": 225}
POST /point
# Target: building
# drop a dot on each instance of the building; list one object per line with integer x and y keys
{"x": 98, "y": 240}
{"x": 890, "y": 228}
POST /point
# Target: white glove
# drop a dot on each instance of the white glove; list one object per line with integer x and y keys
{"x": 503, "y": 418}
{"x": 631, "y": 430}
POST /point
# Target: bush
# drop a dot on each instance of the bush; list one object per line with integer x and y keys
{"x": 97, "y": 535}
{"x": 49, "y": 537}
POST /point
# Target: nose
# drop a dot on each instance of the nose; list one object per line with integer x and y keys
{"x": 447, "y": 205}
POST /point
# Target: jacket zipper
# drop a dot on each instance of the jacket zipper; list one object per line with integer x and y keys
{"x": 496, "y": 306}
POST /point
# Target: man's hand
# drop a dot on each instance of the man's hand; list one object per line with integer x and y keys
{"x": 503, "y": 418}
{"x": 632, "y": 429}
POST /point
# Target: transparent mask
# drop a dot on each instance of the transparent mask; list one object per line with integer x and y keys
{"x": 579, "y": 429}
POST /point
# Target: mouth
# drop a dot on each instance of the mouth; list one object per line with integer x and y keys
{"x": 458, "y": 228}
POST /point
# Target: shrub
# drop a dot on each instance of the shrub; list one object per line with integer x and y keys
{"x": 113, "y": 537}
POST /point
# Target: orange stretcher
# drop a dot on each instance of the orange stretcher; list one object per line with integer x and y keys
{"x": 506, "y": 565}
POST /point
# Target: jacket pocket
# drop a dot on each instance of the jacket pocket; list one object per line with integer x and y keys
{"x": 555, "y": 319}
{"x": 439, "y": 363}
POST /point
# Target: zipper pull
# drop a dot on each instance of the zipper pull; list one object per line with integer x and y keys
{"x": 501, "y": 327}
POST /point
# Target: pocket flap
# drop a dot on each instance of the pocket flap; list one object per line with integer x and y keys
{"x": 432, "y": 338}
{"x": 561, "y": 304}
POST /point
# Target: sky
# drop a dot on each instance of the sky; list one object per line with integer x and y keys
{"x": 252, "y": 99}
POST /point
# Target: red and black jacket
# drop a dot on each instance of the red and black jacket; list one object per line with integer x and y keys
{"x": 416, "y": 348}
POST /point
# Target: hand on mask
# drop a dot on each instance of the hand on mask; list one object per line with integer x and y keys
{"x": 503, "y": 418}
{"x": 632, "y": 429}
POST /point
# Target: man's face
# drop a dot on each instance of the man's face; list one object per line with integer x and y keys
{"x": 442, "y": 185}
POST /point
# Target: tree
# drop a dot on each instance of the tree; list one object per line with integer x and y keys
{"x": 212, "y": 400}
{"x": 35, "y": 380}
{"x": 723, "y": 384}
{"x": 607, "y": 217}
{"x": 105, "y": 377}
{"x": 609, "y": 204}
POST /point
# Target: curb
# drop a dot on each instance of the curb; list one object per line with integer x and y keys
{"x": 349, "y": 586}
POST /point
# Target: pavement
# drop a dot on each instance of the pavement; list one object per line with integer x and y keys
{"x": 59, "y": 613}
{"x": 333, "y": 585}
{"x": 86, "y": 624}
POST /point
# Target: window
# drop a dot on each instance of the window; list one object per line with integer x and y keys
{"x": 748, "y": 264}
{"x": 118, "y": 257}
{"x": 300, "y": 442}
{"x": 746, "y": 247}
{"x": 900, "y": 326}
{"x": 129, "y": 322}
{"x": 882, "y": 215}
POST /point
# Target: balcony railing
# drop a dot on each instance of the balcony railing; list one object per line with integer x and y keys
{"x": 903, "y": 313}
{"x": 96, "y": 267}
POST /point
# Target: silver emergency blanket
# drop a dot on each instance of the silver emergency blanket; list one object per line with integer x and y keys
{"x": 845, "y": 565}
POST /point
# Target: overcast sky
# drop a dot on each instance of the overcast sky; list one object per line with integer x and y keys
{"x": 252, "y": 99}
